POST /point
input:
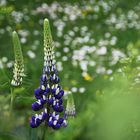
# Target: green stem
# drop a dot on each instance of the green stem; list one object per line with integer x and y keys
{"x": 33, "y": 134}
{"x": 12, "y": 100}
{"x": 44, "y": 133}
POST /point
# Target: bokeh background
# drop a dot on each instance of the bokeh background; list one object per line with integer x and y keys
{"x": 97, "y": 48}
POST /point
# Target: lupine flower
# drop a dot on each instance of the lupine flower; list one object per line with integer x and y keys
{"x": 70, "y": 108}
{"x": 49, "y": 93}
{"x": 18, "y": 71}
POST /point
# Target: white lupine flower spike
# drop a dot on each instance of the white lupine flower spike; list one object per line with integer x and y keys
{"x": 18, "y": 71}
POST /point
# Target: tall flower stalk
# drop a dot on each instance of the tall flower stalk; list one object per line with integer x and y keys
{"x": 18, "y": 71}
{"x": 49, "y": 94}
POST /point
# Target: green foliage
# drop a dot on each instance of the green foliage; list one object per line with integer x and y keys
{"x": 118, "y": 111}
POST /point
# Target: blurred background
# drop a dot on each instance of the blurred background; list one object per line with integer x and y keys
{"x": 97, "y": 48}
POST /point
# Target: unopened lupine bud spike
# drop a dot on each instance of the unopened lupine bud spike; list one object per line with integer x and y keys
{"x": 70, "y": 108}
{"x": 47, "y": 33}
{"x": 48, "y": 44}
{"x": 18, "y": 71}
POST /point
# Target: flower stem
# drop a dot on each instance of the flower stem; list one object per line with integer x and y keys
{"x": 12, "y": 100}
{"x": 44, "y": 133}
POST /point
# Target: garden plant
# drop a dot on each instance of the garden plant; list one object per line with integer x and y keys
{"x": 69, "y": 70}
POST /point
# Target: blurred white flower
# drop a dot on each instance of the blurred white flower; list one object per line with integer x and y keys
{"x": 111, "y": 78}
{"x": 59, "y": 34}
{"x": 101, "y": 51}
{"x": 79, "y": 55}
{"x": 92, "y": 41}
{"x": 66, "y": 93}
{"x": 71, "y": 33}
{"x": 138, "y": 57}
{"x": 84, "y": 29}
{"x": 64, "y": 58}
{"x": 113, "y": 40}
{"x": 66, "y": 49}
{"x": 83, "y": 65}
{"x": 3, "y": 2}
{"x": 23, "y": 40}
{"x": 96, "y": 8}
{"x": 107, "y": 35}
{"x": 18, "y": 16}
{"x": 92, "y": 63}
{"x": 92, "y": 49}
{"x": 86, "y": 39}
{"x": 109, "y": 71}
{"x": 57, "y": 54}
{"x": 116, "y": 56}
{"x": 59, "y": 66}
{"x": 10, "y": 64}
{"x": 101, "y": 70}
{"x": 82, "y": 89}
{"x": 56, "y": 44}
{"x": 31, "y": 54}
{"x": 74, "y": 89}
{"x": 76, "y": 29}
{"x": 23, "y": 33}
{"x": 4, "y": 59}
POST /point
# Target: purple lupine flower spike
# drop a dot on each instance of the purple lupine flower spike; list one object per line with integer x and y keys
{"x": 49, "y": 94}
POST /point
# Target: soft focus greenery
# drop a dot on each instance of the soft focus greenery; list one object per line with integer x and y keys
{"x": 97, "y": 45}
